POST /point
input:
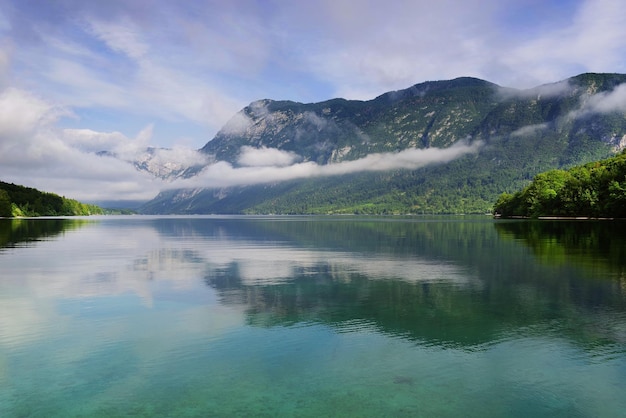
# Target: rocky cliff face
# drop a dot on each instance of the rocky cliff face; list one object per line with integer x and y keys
{"x": 429, "y": 114}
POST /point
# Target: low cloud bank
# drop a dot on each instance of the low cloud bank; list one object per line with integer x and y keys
{"x": 544, "y": 91}
{"x": 606, "y": 102}
{"x": 223, "y": 174}
{"x": 266, "y": 157}
{"x": 602, "y": 103}
{"x": 529, "y": 130}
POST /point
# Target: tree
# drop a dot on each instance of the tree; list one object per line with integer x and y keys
{"x": 596, "y": 189}
{"x": 5, "y": 205}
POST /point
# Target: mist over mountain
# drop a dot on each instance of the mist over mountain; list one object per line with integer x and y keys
{"x": 437, "y": 147}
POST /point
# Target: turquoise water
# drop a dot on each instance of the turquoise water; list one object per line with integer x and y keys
{"x": 312, "y": 316}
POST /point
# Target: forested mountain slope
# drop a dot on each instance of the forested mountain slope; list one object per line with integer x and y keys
{"x": 513, "y": 135}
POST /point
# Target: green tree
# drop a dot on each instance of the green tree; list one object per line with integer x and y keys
{"x": 542, "y": 196}
{"x": 5, "y": 204}
{"x": 596, "y": 189}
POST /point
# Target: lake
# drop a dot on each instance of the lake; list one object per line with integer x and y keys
{"x": 312, "y": 316}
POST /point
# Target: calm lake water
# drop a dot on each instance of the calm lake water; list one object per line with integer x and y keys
{"x": 312, "y": 316}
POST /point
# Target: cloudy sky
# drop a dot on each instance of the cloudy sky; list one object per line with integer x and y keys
{"x": 78, "y": 76}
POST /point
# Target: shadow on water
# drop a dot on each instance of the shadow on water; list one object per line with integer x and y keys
{"x": 16, "y": 232}
{"x": 589, "y": 244}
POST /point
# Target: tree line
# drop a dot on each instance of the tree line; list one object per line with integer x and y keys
{"x": 16, "y": 200}
{"x": 595, "y": 190}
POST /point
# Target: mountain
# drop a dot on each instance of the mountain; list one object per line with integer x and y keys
{"x": 437, "y": 147}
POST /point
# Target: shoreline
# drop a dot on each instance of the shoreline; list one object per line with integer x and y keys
{"x": 560, "y": 218}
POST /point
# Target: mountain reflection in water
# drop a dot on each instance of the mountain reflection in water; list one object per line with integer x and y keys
{"x": 452, "y": 281}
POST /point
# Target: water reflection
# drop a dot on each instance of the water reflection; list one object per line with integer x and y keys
{"x": 589, "y": 244}
{"x": 15, "y": 232}
{"x": 448, "y": 282}
{"x": 457, "y": 282}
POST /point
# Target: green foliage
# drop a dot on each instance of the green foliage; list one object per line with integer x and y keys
{"x": 5, "y": 204}
{"x": 26, "y": 201}
{"x": 596, "y": 189}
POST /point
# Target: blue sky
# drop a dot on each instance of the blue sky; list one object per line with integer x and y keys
{"x": 172, "y": 73}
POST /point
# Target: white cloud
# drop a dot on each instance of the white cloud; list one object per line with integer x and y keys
{"x": 91, "y": 141}
{"x": 122, "y": 36}
{"x": 543, "y": 91}
{"x": 180, "y": 155}
{"x": 79, "y": 85}
{"x": 318, "y": 122}
{"x": 21, "y": 111}
{"x": 606, "y": 102}
{"x": 223, "y": 174}
{"x": 35, "y": 153}
{"x": 529, "y": 129}
{"x": 409, "y": 159}
{"x": 592, "y": 41}
{"x": 378, "y": 47}
{"x": 264, "y": 157}
{"x": 22, "y": 115}
{"x": 237, "y": 125}
{"x": 603, "y": 102}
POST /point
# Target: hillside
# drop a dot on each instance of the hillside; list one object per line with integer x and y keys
{"x": 18, "y": 200}
{"x": 596, "y": 190}
{"x": 514, "y": 135}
